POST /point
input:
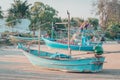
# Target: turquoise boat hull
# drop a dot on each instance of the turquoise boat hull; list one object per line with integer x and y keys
{"x": 53, "y": 44}
{"x": 63, "y": 62}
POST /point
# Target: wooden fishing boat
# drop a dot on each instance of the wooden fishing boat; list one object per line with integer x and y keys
{"x": 63, "y": 62}
{"x": 84, "y": 45}
{"x": 63, "y": 45}
{"x": 24, "y": 38}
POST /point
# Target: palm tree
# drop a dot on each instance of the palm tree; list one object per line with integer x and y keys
{"x": 20, "y": 9}
{"x": 17, "y": 11}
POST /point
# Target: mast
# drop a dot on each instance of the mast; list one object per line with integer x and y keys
{"x": 52, "y": 30}
{"x": 39, "y": 40}
{"x": 69, "y": 32}
{"x": 39, "y": 36}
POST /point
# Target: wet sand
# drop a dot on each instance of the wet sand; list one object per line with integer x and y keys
{"x": 15, "y": 66}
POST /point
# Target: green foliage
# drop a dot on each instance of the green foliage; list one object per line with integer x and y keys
{"x": 1, "y": 13}
{"x": 11, "y": 21}
{"x": 74, "y": 22}
{"x": 48, "y": 14}
{"x": 112, "y": 31}
{"x": 41, "y": 14}
{"x": 94, "y": 22}
{"x": 58, "y": 20}
{"x": 108, "y": 11}
{"x": 19, "y": 9}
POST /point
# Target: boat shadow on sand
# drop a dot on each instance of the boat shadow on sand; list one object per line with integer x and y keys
{"x": 110, "y": 72}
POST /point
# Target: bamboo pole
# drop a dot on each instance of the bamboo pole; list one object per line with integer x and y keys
{"x": 40, "y": 36}
{"x": 52, "y": 31}
{"x": 39, "y": 40}
{"x": 69, "y": 50}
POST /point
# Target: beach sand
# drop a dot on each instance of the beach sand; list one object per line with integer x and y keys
{"x": 15, "y": 66}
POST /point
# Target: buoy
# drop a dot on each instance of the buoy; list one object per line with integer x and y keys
{"x": 98, "y": 50}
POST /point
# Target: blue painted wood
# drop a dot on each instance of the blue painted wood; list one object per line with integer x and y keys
{"x": 61, "y": 61}
{"x": 86, "y": 47}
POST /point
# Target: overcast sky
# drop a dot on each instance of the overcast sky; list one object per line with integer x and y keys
{"x": 77, "y": 8}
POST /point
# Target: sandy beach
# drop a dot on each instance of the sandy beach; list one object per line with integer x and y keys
{"x": 15, "y": 66}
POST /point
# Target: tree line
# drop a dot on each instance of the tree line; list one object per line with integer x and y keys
{"x": 40, "y": 13}
{"x": 109, "y": 15}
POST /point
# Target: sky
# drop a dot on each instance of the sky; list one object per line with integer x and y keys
{"x": 76, "y": 8}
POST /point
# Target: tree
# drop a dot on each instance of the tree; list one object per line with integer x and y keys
{"x": 35, "y": 10}
{"x": 56, "y": 26}
{"x": 113, "y": 31}
{"x": 41, "y": 14}
{"x": 20, "y": 9}
{"x": 93, "y": 22}
{"x": 17, "y": 11}
{"x": 11, "y": 21}
{"x": 74, "y": 22}
{"x": 1, "y": 13}
{"x": 80, "y": 21}
{"x": 109, "y": 12}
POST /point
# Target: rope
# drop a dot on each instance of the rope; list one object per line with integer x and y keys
{"x": 84, "y": 53}
{"x": 108, "y": 52}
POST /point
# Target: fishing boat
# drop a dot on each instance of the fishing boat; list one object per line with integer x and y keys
{"x": 24, "y": 38}
{"x": 63, "y": 62}
{"x": 83, "y": 45}
{"x": 63, "y": 45}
